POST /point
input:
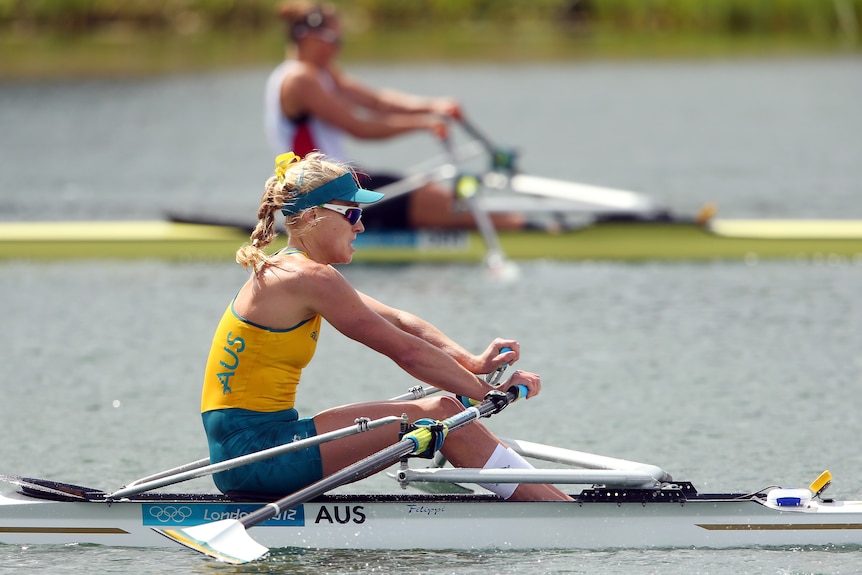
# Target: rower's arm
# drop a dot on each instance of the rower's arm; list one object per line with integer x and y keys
{"x": 414, "y": 325}
{"x": 388, "y": 101}
{"x": 333, "y": 298}
{"x": 303, "y": 93}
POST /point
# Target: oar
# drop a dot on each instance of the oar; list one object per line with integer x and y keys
{"x": 501, "y": 159}
{"x": 228, "y": 540}
{"x": 493, "y": 378}
{"x": 201, "y": 468}
{"x": 593, "y": 198}
{"x": 415, "y": 181}
{"x": 466, "y": 188}
{"x": 417, "y": 392}
{"x": 435, "y": 169}
{"x": 439, "y": 460}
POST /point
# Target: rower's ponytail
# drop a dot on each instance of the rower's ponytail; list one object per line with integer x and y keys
{"x": 293, "y": 178}
{"x": 252, "y": 255}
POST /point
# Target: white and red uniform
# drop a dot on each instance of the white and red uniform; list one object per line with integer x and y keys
{"x": 298, "y": 135}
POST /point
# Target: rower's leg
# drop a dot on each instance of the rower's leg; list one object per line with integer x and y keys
{"x": 470, "y": 446}
{"x": 433, "y": 206}
{"x": 475, "y": 446}
{"x": 343, "y": 452}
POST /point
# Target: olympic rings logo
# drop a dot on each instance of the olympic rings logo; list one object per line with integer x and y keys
{"x": 170, "y": 513}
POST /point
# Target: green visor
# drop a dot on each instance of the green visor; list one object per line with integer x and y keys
{"x": 342, "y": 188}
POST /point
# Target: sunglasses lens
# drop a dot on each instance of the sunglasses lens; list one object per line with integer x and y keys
{"x": 353, "y": 215}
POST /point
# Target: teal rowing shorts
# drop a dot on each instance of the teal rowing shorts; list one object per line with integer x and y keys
{"x": 235, "y": 432}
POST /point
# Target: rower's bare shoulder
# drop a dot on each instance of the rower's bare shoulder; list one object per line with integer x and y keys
{"x": 303, "y": 74}
{"x": 305, "y": 273}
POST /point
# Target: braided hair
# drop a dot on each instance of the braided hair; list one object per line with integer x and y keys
{"x": 293, "y": 178}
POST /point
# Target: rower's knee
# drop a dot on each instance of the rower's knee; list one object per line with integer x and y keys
{"x": 446, "y": 405}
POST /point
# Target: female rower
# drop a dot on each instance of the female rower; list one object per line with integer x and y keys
{"x": 269, "y": 333}
{"x": 311, "y": 104}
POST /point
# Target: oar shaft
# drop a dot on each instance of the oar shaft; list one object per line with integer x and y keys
{"x": 494, "y": 256}
{"x": 429, "y": 172}
{"x": 417, "y": 392}
{"x": 414, "y": 182}
{"x": 183, "y": 472}
{"x": 253, "y": 457}
{"x": 359, "y": 469}
{"x": 476, "y": 133}
{"x": 171, "y": 472}
{"x": 386, "y": 456}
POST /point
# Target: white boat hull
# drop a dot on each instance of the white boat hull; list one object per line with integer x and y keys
{"x": 443, "y": 522}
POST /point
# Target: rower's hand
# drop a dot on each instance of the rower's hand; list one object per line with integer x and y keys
{"x": 447, "y": 107}
{"x": 530, "y": 380}
{"x": 439, "y": 126}
{"x": 500, "y": 352}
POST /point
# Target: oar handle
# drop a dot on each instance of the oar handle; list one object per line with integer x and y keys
{"x": 523, "y": 392}
{"x": 493, "y": 378}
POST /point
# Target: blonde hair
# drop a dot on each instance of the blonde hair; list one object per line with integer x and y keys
{"x": 299, "y": 178}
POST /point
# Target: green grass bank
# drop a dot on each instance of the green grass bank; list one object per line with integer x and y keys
{"x": 86, "y": 38}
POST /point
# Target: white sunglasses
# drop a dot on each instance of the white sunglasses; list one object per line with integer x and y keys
{"x": 350, "y": 213}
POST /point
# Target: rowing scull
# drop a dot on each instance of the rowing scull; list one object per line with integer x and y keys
{"x": 672, "y": 515}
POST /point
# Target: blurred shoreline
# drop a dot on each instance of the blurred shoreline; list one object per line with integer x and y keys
{"x": 112, "y": 38}
{"x": 131, "y": 54}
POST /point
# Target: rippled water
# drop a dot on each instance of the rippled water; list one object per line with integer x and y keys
{"x": 729, "y": 375}
{"x": 771, "y": 138}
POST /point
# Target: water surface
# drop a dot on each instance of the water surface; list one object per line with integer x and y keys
{"x": 728, "y": 375}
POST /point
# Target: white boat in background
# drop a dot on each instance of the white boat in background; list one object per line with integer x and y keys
{"x": 570, "y": 221}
